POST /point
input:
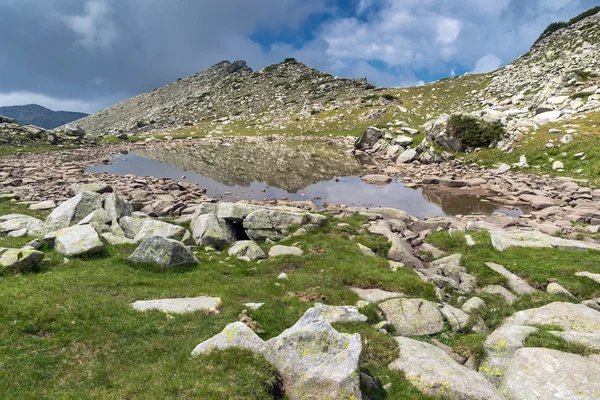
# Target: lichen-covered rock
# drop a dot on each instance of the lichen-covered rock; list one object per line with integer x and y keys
{"x": 447, "y": 271}
{"x": 502, "y": 240}
{"x": 99, "y": 216}
{"x": 18, "y": 222}
{"x": 208, "y": 230}
{"x": 116, "y": 207}
{"x": 515, "y": 283}
{"x": 340, "y": 313}
{"x": 542, "y": 374}
{"x": 235, "y": 211}
{"x": 278, "y": 250}
{"x": 180, "y": 306}
{"x": 457, "y": 318}
{"x": 413, "y": 317}
{"x": 274, "y": 223}
{"x": 590, "y": 340}
{"x": 131, "y": 226}
{"x": 376, "y": 295}
{"x": 163, "y": 251}
{"x": 474, "y": 303}
{"x": 74, "y": 210}
{"x": 500, "y": 291}
{"x": 152, "y": 228}
{"x": 116, "y": 240}
{"x": 435, "y": 373}
{"x": 567, "y": 316}
{"x": 313, "y": 359}
{"x": 76, "y": 240}
{"x": 365, "y": 251}
{"x": 556, "y": 288}
{"x": 500, "y": 346}
{"x": 98, "y": 187}
{"x": 247, "y": 250}
{"x": 19, "y": 260}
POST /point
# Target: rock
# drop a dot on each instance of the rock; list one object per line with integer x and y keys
{"x": 99, "y": 216}
{"x": 474, "y": 303}
{"x": 567, "y": 316}
{"x": 380, "y": 180}
{"x": 435, "y": 373}
{"x": 163, "y": 251}
{"x": 366, "y": 251}
{"x": 279, "y": 250}
{"x": 151, "y": 228}
{"x": 74, "y": 210}
{"x": 457, "y": 318}
{"x": 448, "y": 271}
{"x": 274, "y": 223}
{"x": 402, "y": 252}
{"x": 180, "y": 306}
{"x": 282, "y": 276}
{"x": 18, "y": 222}
{"x": 434, "y": 251}
{"x": 405, "y": 141}
{"x": 515, "y": 283}
{"x": 208, "y": 230}
{"x": 19, "y": 260}
{"x": 131, "y": 226}
{"x": 541, "y": 374}
{"x": 375, "y": 295}
{"x": 558, "y": 165}
{"x": 501, "y": 291}
{"x": 566, "y": 139}
{"x": 116, "y": 240}
{"x": 99, "y": 187}
{"x": 500, "y": 347}
{"x": 247, "y": 249}
{"x": 253, "y": 306}
{"x": 470, "y": 241}
{"x": 594, "y": 277}
{"x": 116, "y": 207}
{"x": 313, "y": 359}
{"x": 43, "y": 205}
{"x": 235, "y": 211}
{"x": 76, "y": 241}
{"x": 413, "y": 317}
{"x": 407, "y": 156}
{"x": 368, "y": 139}
{"x": 340, "y": 313}
{"x": 547, "y": 117}
{"x": 540, "y": 202}
{"x": 589, "y": 340}
{"x": 555, "y": 288}
{"x": 502, "y": 240}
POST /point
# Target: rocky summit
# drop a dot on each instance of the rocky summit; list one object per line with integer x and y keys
{"x": 218, "y": 267}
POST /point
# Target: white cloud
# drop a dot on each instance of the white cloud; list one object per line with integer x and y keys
{"x": 94, "y": 28}
{"x": 24, "y": 98}
{"x": 448, "y": 30}
{"x": 487, "y": 63}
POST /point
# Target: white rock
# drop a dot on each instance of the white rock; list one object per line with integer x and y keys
{"x": 180, "y": 306}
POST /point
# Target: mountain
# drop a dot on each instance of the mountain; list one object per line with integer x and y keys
{"x": 37, "y": 115}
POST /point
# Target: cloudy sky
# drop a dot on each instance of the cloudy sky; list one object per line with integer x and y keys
{"x": 83, "y": 55}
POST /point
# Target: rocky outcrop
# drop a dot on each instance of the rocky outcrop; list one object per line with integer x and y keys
{"x": 160, "y": 250}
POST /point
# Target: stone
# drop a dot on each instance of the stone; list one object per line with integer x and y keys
{"x": 547, "y": 117}
{"x": 541, "y": 374}
{"x": 401, "y": 251}
{"x": 99, "y": 187}
{"x": 151, "y": 228}
{"x": 340, "y": 313}
{"x": 313, "y": 359}
{"x": 377, "y": 179}
{"x": 19, "y": 260}
{"x": 515, "y": 283}
{"x": 180, "y": 306}
{"x": 555, "y": 288}
{"x": 500, "y": 291}
{"x": 18, "y": 222}
{"x": 502, "y": 240}
{"x": 208, "y": 230}
{"x": 407, "y": 156}
{"x": 558, "y": 165}
{"x": 375, "y": 295}
{"x": 131, "y": 226}
{"x": 253, "y": 306}
{"x": 367, "y": 252}
{"x": 43, "y": 205}
{"x": 247, "y": 249}
{"x": 448, "y": 271}
{"x": 413, "y": 317}
{"x": 566, "y": 139}
{"x": 278, "y": 250}
{"x": 99, "y": 216}
{"x": 470, "y": 241}
{"x": 567, "y": 316}
{"x": 436, "y": 374}
{"x": 368, "y": 139}
{"x": 594, "y": 277}
{"x": 160, "y": 250}
{"x": 282, "y": 276}
{"x": 76, "y": 241}
{"x": 500, "y": 346}
{"x": 589, "y": 340}
{"x": 404, "y": 141}
{"x": 541, "y": 202}
{"x": 235, "y": 211}
{"x": 457, "y": 318}
{"x": 74, "y": 210}
{"x": 473, "y": 304}
{"x": 117, "y": 207}
{"x": 116, "y": 240}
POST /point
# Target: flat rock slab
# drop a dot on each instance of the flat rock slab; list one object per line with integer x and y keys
{"x": 378, "y": 180}
{"x": 540, "y": 202}
{"x": 413, "y": 317}
{"x": 340, "y": 313}
{"x": 435, "y": 373}
{"x": 515, "y": 283}
{"x": 543, "y": 374}
{"x": 43, "y": 205}
{"x": 568, "y": 316}
{"x": 279, "y": 250}
{"x": 180, "y": 306}
{"x": 375, "y": 295}
{"x": 502, "y": 240}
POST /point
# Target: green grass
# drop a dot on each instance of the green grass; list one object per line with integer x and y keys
{"x": 543, "y": 338}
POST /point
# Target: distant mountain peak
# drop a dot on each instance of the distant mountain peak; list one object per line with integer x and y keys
{"x": 34, "y": 114}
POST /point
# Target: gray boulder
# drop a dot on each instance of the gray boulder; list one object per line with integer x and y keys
{"x": 163, "y": 251}
{"x": 435, "y": 373}
{"x": 76, "y": 240}
{"x": 368, "y": 139}
{"x": 208, "y": 230}
{"x": 247, "y": 250}
{"x": 447, "y": 271}
{"x": 500, "y": 291}
{"x": 340, "y": 313}
{"x": 515, "y": 283}
{"x": 413, "y": 317}
{"x": 502, "y": 240}
{"x": 131, "y": 226}
{"x": 567, "y": 316}
{"x": 151, "y": 228}
{"x": 235, "y": 211}
{"x": 180, "y": 306}
{"x": 457, "y": 318}
{"x": 117, "y": 207}
{"x": 375, "y": 295}
{"x": 278, "y": 250}
{"x": 98, "y": 187}
{"x": 74, "y": 210}
{"x": 19, "y": 260}
{"x": 18, "y": 222}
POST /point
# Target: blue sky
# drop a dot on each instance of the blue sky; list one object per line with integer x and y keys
{"x": 84, "y": 55}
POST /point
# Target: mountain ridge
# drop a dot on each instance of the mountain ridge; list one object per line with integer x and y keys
{"x": 34, "y": 114}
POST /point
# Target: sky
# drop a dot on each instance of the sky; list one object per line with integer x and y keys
{"x": 84, "y": 55}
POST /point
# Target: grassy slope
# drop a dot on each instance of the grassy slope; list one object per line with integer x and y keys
{"x": 67, "y": 330}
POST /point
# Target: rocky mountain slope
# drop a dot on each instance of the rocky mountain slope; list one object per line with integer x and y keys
{"x": 33, "y": 114}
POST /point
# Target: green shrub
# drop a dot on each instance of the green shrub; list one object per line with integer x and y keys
{"x": 560, "y": 25}
{"x": 390, "y": 97}
{"x": 473, "y": 132}
{"x": 290, "y": 60}
{"x": 579, "y": 95}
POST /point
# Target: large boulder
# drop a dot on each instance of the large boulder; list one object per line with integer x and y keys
{"x": 162, "y": 251}
{"x": 567, "y": 316}
{"x": 368, "y": 139}
{"x": 117, "y": 207}
{"x": 153, "y": 227}
{"x": 76, "y": 240}
{"x": 131, "y": 226}
{"x": 17, "y": 222}
{"x": 413, "y": 317}
{"x": 208, "y": 230}
{"x": 235, "y": 211}
{"x": 180, "y": 306}
{"x": 448, "y": 271}
{"x": 74, "y": 210}
{"x": 437, "y": 131}
{"x": 247, "y": 250}
{"x": 274, "y": 223}
{"x": 340, "y": 313}
{"x": 542, "y": 374}
{"x": 435, "y": 373}
{"x": 19, "y": 260}
{"x": 313, "y": 359}
{"x": 278, "y": 250}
